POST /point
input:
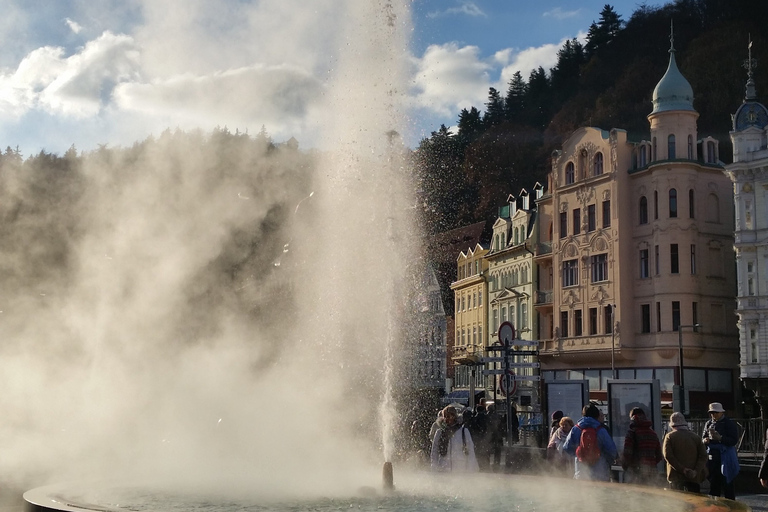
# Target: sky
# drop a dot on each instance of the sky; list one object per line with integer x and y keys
{"x": 113, "y": 72}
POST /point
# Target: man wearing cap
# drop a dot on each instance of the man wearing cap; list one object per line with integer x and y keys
{"x": 720, "y": 437}
{"x": 685, "y": 455}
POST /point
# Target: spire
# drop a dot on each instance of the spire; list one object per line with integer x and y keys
{"x": 673, "y": 92}
{"x": 750, "y": 64}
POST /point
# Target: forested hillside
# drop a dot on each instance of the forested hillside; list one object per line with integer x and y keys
{"x": 504, "y": 145}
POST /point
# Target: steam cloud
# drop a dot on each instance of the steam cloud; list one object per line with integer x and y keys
{"x": 154, "y": 324}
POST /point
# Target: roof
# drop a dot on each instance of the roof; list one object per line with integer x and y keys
{"x": 673, "y": 92}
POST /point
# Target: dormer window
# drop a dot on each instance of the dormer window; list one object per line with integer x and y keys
{"x": 711, "y": 152}
{"x": 690, "y": 147}
{"x": 598, "y": 164}
{"x": 643, "y": 156}
{"x": 671, "y": 147}
{"x": 570, "y": 173}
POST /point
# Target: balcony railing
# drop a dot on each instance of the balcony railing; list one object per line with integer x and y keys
{"x": 544, "y": 296}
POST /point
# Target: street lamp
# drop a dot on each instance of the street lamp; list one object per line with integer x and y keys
{"x": 680, "y": 360}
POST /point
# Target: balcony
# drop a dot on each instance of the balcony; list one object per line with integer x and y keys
{"x": 543, "y": 297}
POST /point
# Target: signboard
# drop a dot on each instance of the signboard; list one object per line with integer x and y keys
{"x": 623, "y": 396}
{"x": 516, "y": 377}
{"x": 569, "y": 396}
{"x": 506, "y": 380}
{"x": 506, "y": 333}
{"x": 512, "y": 364}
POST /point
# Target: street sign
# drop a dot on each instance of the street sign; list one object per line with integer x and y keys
{"x": 514, "y": 377}
{"x": 524, "y": 343}
{"x": 511, "y": 364}
{"x": 506, "y": 333}
{"x": 505, "y": 381}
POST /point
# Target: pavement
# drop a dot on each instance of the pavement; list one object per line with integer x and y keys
{"x": 757, "y": 502}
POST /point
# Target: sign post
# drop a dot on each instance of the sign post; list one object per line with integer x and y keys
{"x": 506, "y": 335}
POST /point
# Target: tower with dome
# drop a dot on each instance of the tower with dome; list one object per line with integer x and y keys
{"x": 635, "y": 248}
{"x": 749, "y": 174}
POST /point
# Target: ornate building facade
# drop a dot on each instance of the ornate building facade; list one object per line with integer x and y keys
{"x": 635, "y": 251}
{"x": 749, "y": 174}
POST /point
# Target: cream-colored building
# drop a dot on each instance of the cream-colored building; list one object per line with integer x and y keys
{"x": 645, "y": 227}
{"x": 470, "y": 318}
{"x": 749, "y": 174}
{"x": 511, "y": 279}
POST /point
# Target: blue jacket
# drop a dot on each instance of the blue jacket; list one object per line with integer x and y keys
{"x": 608, "y": 452}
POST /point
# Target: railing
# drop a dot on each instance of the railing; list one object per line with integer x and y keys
{"x": 544, "y": 296}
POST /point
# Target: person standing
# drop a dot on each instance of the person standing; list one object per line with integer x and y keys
{"x": 495, "y": 435}
{"x": 479, "y": 430}
{"x": 685, "y": 455}
{"x": 592, "y": 446}
{"x": 560, "y": 460}
{"x": 452, "y": 447}
{"x": 642, "y": 450}
{"x": 720, "y": 437}
{"x": 554, "y": 426}
{"x": 763, "y": 473}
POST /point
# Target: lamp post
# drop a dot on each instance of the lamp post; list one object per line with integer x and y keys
{"x": 680, "y": 360}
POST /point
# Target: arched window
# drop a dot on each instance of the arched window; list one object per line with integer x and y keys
{"x": 496, "y": 243}
{"x": 655, "y": 205}
{"x": 598, "y": 166}
{"x": 690, "y": 147}
{"x": 653, "y": 157}
{"x": 711, "y": 152}
{"x": 691, "y": 209}
{"x": 671, "y": 147}
{"x": 672, "y": 203}
{"x": 570, "y": 173}
{"x": 517, "y": 235}
{"x": 643, "y": 210}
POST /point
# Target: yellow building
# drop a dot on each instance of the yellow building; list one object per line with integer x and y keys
{"x": 470, "y": 318}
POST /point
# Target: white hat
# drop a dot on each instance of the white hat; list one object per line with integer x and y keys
{"x": 716, "y": 407}
{"x": 677, "y": 420}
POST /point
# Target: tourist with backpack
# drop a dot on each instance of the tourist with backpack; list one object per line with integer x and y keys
{"x": 592, "y": 447}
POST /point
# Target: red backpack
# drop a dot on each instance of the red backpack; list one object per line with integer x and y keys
{"x": 588, "y": 450}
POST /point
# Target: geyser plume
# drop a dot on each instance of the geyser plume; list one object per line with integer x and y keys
{"x": 149, "y": 330}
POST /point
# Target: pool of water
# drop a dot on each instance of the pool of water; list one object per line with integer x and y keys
{"x": 482, "y": 493}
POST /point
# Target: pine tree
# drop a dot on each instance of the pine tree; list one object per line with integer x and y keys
{"x": 514, "y": 104}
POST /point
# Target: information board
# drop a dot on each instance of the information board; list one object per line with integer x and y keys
{"x": 569, "y": 396}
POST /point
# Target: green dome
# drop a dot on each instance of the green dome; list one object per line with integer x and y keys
{"x": 673, "y": 92}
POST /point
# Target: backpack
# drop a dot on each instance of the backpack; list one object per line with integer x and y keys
{"x": 588, "y": 450}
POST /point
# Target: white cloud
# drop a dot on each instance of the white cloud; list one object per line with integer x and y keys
{"x": 74, "y": 26}
{"x": 468, "y": 8}
{"x": 559, "y": 14}
{"x": 278, "y": 97}
{"x": 529, "y": 59}
{"x": 448, "y": 78}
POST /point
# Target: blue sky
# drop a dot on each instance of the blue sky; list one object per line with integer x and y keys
{"x": 116, "y": 71}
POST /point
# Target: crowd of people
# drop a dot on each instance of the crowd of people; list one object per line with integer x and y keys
{"x": 473, "y": 441}
{"x": 470, "y": 442}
